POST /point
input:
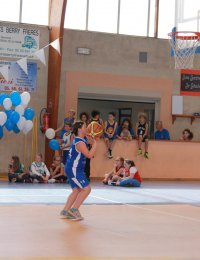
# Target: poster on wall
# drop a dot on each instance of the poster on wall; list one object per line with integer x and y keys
{"x": 16, "y": 42}
{"x": 190, "y": 82}
{"x": 18, "y": 79}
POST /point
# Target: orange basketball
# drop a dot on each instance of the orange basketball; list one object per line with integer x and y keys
{"x": 94, "y": 129}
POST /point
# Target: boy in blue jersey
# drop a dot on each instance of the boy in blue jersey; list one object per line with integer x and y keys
{"x": 74, "y": 169}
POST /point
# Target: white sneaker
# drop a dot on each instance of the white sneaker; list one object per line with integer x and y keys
{"x": 51, "y": 181}
{"x": 35, "y": 181}
{"x": 109, "y": 182}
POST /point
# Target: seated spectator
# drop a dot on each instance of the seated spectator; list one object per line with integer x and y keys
{"x": 116, "y": 172}
{"x": 126, "y": 135}
{"x": 161, "y": 133}
{"x": 69, "y": 119}
{"x": 39, "y": 171}
{"x": 131, "y": 176}
{"x": 84, "y": 117}
{"x": 56, "y": 172}
{"x": 187, "y": 135}
{"x": 141, "y": 132}
{"x": 16, "y": 171}
{"x": 96, "y": 117}
{"x": 110, "y": 133}
{"x": 125, "y": 130}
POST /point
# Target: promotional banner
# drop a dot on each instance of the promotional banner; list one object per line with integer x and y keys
{"x": 17, "y": 79}
{"x": 16, "y": 42}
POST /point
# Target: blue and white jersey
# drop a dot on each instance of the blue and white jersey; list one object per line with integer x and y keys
{"x": 66, "y": 141}
{"x": 76, "y": 160}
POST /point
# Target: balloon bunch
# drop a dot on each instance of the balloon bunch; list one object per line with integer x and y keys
{"x": 53, "y": 144}
{"x": 16, "y": 116}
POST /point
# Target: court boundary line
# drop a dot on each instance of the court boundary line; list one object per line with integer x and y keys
{"x": 161, "y": 196}
{"x": 152, "y": 210}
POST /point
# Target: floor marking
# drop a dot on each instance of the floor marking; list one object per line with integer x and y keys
{"x": 161, "y": 196}
{"x": 32, "y": 195}
{"x": 147, "y": 209}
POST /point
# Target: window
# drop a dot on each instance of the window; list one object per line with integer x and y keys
{"x": 188, "y": 15}
{"x": 133, "y": 17}
{"x": 166, "y": 19}
{"x": 35, "y": 12}
{"x": 103, "y": 15}
{"x": 75, "y": 16}
{"x": 152, "y": 18}
{"x": 124, "y": 113}
{"x": 10, "y": 10}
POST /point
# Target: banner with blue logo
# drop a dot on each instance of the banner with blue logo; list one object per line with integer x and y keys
{"x": 18, "y": 79}
{"x": 17, "y": 42}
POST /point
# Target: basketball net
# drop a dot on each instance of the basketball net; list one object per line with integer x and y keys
{"x": 184, "y": 45}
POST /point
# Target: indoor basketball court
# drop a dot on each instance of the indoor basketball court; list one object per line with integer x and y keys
{"x": 149, "y": 223}
{"x": 76, "y": 77}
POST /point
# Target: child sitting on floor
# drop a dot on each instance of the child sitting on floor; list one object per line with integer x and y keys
{"x": 116, "y": 172}
{"x": 16, "y": 170}
{"x": 57, "y": 175}
{"x": 39, "y": 171}
{"x": 131, "y": 175}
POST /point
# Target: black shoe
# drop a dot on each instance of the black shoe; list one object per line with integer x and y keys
{"x": 110, "y": 156}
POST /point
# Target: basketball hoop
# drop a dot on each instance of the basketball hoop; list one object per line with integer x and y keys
{"x": 184, "y": 45}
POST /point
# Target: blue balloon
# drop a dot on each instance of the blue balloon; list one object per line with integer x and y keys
{"x": 54, "y": 145}
{"x": 15, "y": 98}
{"x": 16, "y": 129}
{"x": 9, "y": 125}
{"x": 1, "y": 132}
{"x": 29, "y": 113}
{"x": 2, "y": 97}
{"x": 8, "y": 112}
{"x": 14, "y": 117}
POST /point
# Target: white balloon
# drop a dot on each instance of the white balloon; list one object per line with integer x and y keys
{"x": 7, "y": 103}
{"x": 25, "y": 131}
{"x": 28, "y": 126}
{"x": 21, "y": 123}
{"x": 3, "y": 118}
{"x": 24, "y": 106}
{"x": 20, "y": 109}
{"x": 50, "y": 133}
{"x": 25, "y": 98}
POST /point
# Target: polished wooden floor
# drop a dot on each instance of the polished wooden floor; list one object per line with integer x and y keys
{"x": 144, "y": 231}
{"x": 108, "y": 231}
